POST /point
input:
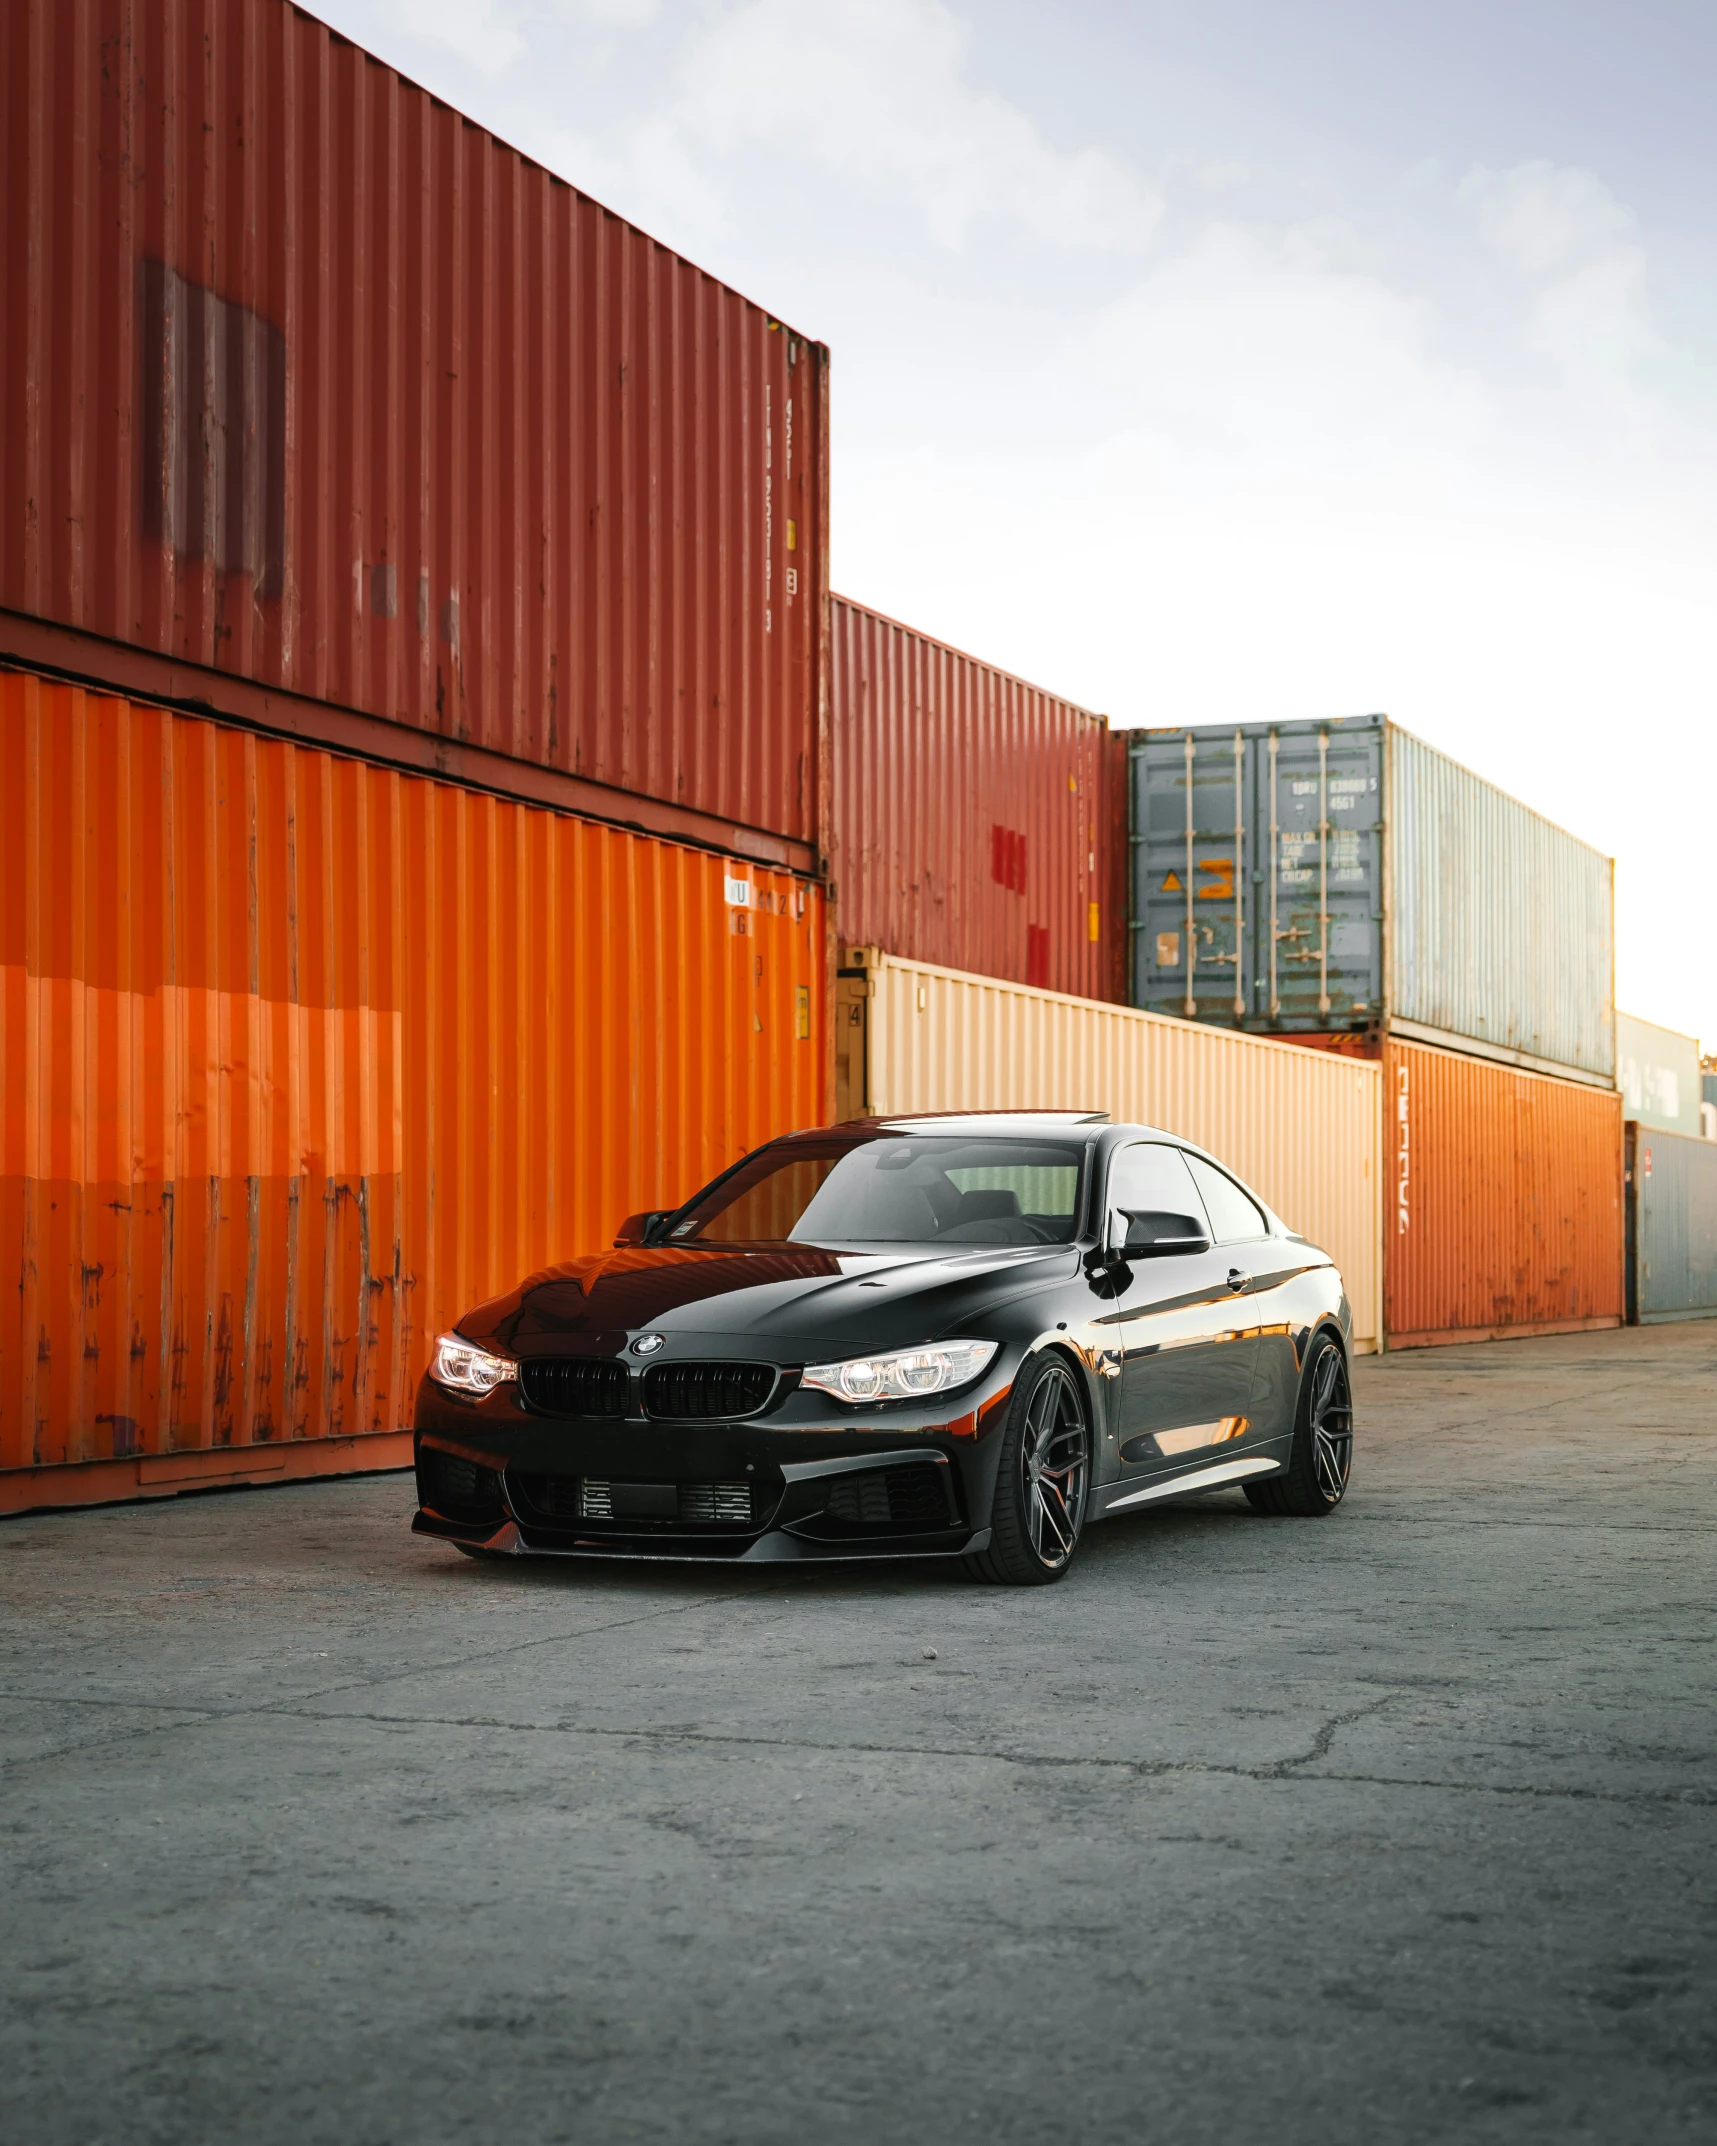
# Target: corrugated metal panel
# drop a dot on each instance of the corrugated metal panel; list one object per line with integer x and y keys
{"x": 1506, "y": 1200}
{"x": 305, "y": 1056}
{"x": 1672, "y": 1226}
{"x": 1258, "y": 874}
{"x": 978, "y": 822}
{"x": 1501, "y": 925}
{"x": 1301, "y": 1126}
{"x": 310, "y": 380}
{"x": 1313, "y": 878}
{"x": 1657, "y": 1071}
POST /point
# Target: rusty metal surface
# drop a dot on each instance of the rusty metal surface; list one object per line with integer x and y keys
{"x": 1302, "y": 1127}
{"x": 304, "y": 1056}
{"x": 978, "y": 822}
{"x": 1504, "y": 1211}
{"x": 310, "y": 380}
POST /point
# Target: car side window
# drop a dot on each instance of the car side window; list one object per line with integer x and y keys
{"x": 1234, "y": 1218}
{"x": 1150, "y": 1176}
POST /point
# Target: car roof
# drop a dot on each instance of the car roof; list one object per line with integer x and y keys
{"x": 985, "y": 1121}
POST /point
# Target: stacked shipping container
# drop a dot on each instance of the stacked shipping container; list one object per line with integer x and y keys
{"x": 978, "y": 822}
{"x": 1345, "y": 884}
{"x": 318, "y": 404}
{"x": 1346, "y": 878}
{"x": 1671, "y": 1226}
{"x": 1657, "y": 1070}
{"x": 304, "y": 1056}
{"x": 326, "y": 414}
{"x": 1505, "y": 1200}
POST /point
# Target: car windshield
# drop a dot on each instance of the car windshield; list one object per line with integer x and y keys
{"x": 894, "y": 1189}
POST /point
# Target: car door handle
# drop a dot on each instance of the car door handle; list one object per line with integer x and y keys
{"x": 1238, "y": 1281}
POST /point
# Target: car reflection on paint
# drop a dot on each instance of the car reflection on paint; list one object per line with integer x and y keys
{"x": 912, "y": 1337}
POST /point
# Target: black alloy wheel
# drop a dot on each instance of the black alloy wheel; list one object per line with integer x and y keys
{"x": 1315, "y": 1479}
{"x": 1045, "y": 1468}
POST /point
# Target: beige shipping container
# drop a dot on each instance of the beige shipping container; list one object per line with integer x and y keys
{"x": 1303, "y": 1127}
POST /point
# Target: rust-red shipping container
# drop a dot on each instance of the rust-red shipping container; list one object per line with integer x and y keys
{"x": 304, "y": 1056}
{"x": 1504, "y": 1213}
{"x": 979, "y": 823}
{"x": 319, "y": 394}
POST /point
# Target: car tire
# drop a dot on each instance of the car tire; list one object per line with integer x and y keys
{"x": 1042, "y": 1479}
{"x": 1315, "y": 1480}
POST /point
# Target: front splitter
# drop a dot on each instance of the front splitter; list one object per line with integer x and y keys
{"x": 775, "y": 1548}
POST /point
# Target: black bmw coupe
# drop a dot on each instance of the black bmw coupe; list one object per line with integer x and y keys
{"x": 911, "y": 1337}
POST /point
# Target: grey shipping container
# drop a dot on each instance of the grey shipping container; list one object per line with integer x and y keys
{"x": 1343, "y": 879}
{"x": 1657, "y": 1070}
{"x": 1671, "y": 1226}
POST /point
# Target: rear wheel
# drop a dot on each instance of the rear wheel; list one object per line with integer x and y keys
{"x": 1315, "y": 1479}
{"x": 1039, "y": 1505}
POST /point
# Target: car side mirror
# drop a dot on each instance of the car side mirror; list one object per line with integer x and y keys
{"x": 1154, "y": 1234}
{"x": 641, "y": 1228}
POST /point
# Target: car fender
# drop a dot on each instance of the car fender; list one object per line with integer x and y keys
{"x": 1328, "y": 1324}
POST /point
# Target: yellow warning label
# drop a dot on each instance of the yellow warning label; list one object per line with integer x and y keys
{"x": 1172, "y": 885}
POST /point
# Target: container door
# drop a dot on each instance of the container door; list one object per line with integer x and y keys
{"x": 1317, "y": 858}
{"x": 1192, "y": 906}
{"x": 1187, "y": 1375}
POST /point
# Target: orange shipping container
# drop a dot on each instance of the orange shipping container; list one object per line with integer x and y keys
{"x": 304, "y": 1055}
{"x": 1505, "y": 1210}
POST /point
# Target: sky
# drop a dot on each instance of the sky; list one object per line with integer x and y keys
{"x": 1225, "y": 360}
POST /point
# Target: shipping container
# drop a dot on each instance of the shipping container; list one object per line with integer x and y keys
{"x": 315, "y": 396}
{"x": 1657, "y": 1071}
{"x": 305, "y": 1056}
{"x": 978, "y": 822}
{"x": 1302, "y": 1127}
{"x": 1671, "y": 1226}
{"x": 1321, "y": 878}
{"x": 1505, "y": 1200}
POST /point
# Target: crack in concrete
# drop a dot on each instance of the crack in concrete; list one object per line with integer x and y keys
{"x": 210, "y": 1711}
{"x": 1289, "y": 1769}
{"x": 1292, "y": 1768}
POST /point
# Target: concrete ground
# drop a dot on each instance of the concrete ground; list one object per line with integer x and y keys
{"x": 1395, "y": 1826}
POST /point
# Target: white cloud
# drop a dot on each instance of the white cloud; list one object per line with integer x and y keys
{"x": 1268, "y": 352}
{"x": 494, "y": 35}
{"x": 611, "y": 14}
{"x": 1567, "y": 235}
{"x": 879, "y": 93}
{"x": 1545, "y": 219}
{"x": 484, "y": 34}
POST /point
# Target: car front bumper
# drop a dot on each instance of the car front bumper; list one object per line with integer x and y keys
{"x": 520, "y": 1484}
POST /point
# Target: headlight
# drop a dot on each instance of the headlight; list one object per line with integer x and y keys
{"x": 464, "y": 1368}
{"x": 902, "y": 1374}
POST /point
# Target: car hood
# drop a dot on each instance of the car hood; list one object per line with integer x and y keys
{"x": 786, "y": 1297}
